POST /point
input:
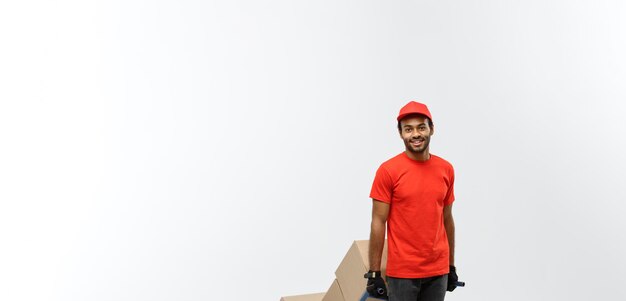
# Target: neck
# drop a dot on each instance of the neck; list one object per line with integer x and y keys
{"x": 418, "y": 156}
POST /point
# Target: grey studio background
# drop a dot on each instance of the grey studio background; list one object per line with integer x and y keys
{"x": 224, "y": 150}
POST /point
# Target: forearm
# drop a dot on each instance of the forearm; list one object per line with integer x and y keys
{"x": 377, "y": 241}
{"x": 449, "y": 225}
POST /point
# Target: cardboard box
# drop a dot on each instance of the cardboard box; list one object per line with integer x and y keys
{"x": 308, "y": 297}
{"x": 334, "y": 293}
{"x": 352, "y": 268}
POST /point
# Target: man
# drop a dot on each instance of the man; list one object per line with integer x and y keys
{"x": 412, "y": 196}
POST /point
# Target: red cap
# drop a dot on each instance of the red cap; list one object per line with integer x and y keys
{"x": 414, "y": 107}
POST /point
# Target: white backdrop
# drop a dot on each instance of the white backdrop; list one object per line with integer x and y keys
{"x": 224, "y": 150}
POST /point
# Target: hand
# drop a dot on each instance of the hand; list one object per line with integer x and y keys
{"x": 376, "y": 285}
{"x": 452, "y": 278}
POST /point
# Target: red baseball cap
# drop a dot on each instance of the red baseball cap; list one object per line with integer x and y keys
{"x": 414, "y": 107}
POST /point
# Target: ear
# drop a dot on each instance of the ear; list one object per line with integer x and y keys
{"x": 432, "y": 130}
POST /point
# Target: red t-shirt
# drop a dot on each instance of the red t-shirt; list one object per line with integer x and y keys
{"x": 417, "y": 191}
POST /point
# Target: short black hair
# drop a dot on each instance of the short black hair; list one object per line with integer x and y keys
{"x": 430, "y": 122}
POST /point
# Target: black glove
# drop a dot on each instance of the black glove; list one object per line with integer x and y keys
{"x": 376, "y": 285}
{"x": 452, "y": 278}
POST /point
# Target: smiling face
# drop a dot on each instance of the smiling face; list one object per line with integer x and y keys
{"x": 415, "y": 131}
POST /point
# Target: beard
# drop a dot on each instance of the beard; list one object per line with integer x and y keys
{"x": 417, "y": 149}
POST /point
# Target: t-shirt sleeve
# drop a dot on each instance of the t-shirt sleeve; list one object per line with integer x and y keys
{"x": 382, "y": 188}
{"x": 450, "y": 195}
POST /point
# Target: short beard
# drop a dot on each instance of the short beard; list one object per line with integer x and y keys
{"x": 420, "y": 150}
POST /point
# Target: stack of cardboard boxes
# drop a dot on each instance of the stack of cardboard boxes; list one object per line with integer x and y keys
{"x": 349, "y": 284}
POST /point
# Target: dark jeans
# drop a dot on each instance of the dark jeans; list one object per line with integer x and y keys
{"x": 417, "y": 289}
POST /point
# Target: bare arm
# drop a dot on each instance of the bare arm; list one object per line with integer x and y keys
{"x": 380, "y": 211}
{"x": 448, "y": 222}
